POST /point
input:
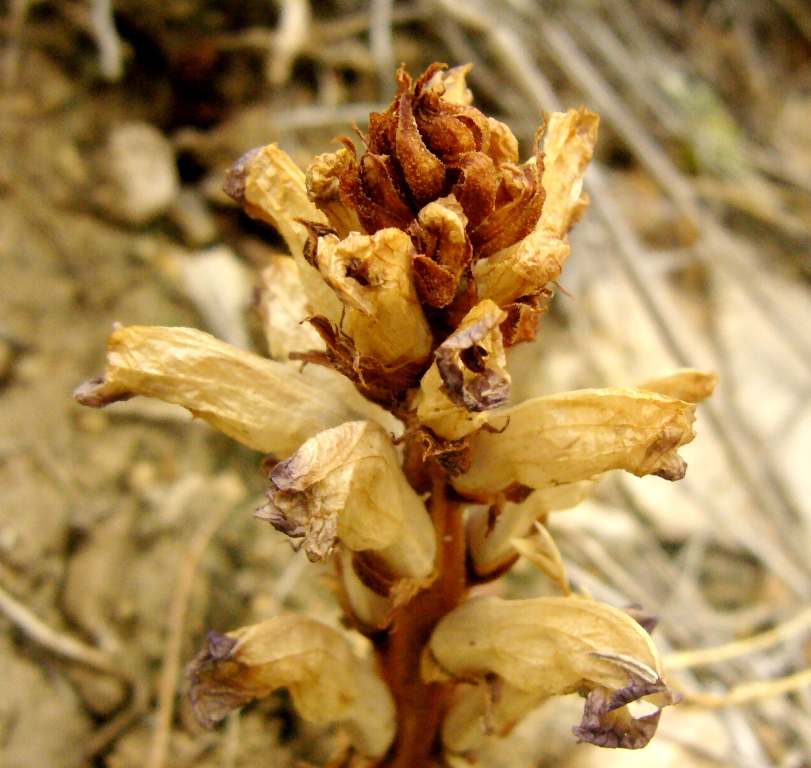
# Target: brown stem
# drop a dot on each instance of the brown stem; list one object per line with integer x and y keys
{"x": 420, "y": 706}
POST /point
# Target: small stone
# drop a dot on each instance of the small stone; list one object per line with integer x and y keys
{"x": 139, "y": 174}
{"x": 191, "y": 214}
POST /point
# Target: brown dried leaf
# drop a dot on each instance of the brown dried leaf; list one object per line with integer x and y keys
{"x": 261, "y": 403}
{"x": 372, "y": 276}
{"x": 346, "y": 484}
{"x": 577, "y": 435}
{"x": 327, "y": 682}
{"x": 469, "y": 376}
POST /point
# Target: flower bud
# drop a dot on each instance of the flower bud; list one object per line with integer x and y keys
{"x": 271, "y": 187}
{"x": 346, "y": 484}
{"x": 327, "y": 682}
{"x": 263, "y": 404}
{"x": 525, "y": 267}
{"x": 576, "y": 435}
{"x": 372, "y": 276}
{"x": 527, "y": 650}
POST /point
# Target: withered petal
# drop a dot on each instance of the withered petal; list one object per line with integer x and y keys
{"x": 327, "y": 682}
{"x": 488, "y": 388}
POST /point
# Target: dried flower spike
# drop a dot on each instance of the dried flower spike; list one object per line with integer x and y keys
{"x": 418, "y": 263}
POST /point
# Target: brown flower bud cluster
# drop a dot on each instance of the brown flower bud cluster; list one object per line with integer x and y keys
{"x": 418, "y": 264}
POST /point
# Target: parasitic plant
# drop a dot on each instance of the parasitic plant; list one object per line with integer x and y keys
{"x": 418, "y": 264}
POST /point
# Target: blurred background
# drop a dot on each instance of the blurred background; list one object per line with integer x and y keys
{"x": 125, "y": 534}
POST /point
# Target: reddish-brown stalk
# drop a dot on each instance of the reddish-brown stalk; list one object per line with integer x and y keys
{"x": 420, "y": 706}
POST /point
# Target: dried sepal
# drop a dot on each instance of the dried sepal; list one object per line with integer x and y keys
{"x": 686, "y": 384}
{"x": 519, "y": 200}
{"x": 386, "y": 385}
{"x": 372, "y": 276}
{"x": 263, "y": 404}
{"x": 346, "y": 484}
{"x": 532, "y": 649}
{"x": 271, "y": 187}
{"x": 327, "y": 682}
{"x": 576, "y": 435}
{"x": 469, "y": 376}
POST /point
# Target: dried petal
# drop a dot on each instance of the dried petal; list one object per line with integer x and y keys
{"x": 522, "y": 269}
{"x": 371, "y": 610}
{"x": 490, "y": 532}
{"x": 613, "y": 727}
{"x": 568, "y": 147}
{"x": 346, "y": 483}
{"x": 686, "y": 384}
{"x": 503, "y": 144}
{"x": 452, "y": 84}
{"x": 469, "y": 376}
{"x": 539, "y": 648}
{"x": 327, "y": 682}
{"x": 261, "y": 403}
{"x": 271, "y": 187}
{"x": 372, "y": 277}
{"x": 577, "y": 435}
{"x": 282, "y": 306}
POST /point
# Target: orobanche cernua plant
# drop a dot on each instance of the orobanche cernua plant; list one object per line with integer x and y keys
{"x": 418, "y": 264}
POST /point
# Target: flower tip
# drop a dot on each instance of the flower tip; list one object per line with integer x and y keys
{"x": 234, "y": 184}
